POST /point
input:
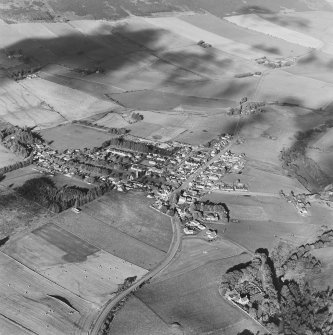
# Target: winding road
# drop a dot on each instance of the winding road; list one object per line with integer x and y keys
{"x": 172, "y": 252}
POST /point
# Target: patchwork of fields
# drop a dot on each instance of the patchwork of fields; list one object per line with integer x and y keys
{"x": 58, "y": 271}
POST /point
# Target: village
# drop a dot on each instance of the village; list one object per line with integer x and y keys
{"x": 175, "y": 177}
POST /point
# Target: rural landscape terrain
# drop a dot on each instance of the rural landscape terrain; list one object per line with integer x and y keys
{"x": 166, "y": 167}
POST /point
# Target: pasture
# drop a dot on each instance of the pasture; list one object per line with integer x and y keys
{"x": 72, "y": 263}
{"x": 74, "y": 136}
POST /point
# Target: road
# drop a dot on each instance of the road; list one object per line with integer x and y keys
{"x": 172, "y": 252}
{"x": 249, "y": 193}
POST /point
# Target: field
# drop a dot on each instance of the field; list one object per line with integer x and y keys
{"x": 131, "y": 215}
{"x": 72, "y": 263}
{"x": 110, "y": 239}
{"x": 257, "y": 23}
{"x": 73, "y": 136}
{"x": 7, "y": 157}
{"x": 136, "y": 318}
{"x": 324, "y": 279}
{"x": 192, "y": 299}
{"x": 30, "y": 303}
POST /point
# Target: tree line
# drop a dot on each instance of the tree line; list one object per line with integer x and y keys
{"x": 111, "y": 130}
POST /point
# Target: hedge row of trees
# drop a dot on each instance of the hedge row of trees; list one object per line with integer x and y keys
{"x": 16, "y": 166}
{"x": 115, "y": 131}
{"x": 121, "y": 142}
{"x": 43, "y": 191}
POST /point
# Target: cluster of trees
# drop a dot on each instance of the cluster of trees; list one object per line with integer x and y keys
{"x": 115, "y": 131}
{"x": 279, "y": 295}
{"x": 208, "y": 206}
{"x": 121, "y": 142}
{"x": 247, "y": 107}
{"x": 16, "y": 166}
{"x": 19, "y": 140}
{"x": 137, "y": 117}
{"x": 19, "y": 74}
{"x": 43, "y": 191}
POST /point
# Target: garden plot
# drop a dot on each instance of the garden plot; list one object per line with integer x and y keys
{"x": 72, "y": 263}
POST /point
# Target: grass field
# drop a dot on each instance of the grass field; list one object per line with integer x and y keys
{"x": 193, "y": 300}
{"x": 73, "y": 136}
{"x": 131, "y": 215}
{"x": 72, "y": 263}
{"x": 105, "y": 236}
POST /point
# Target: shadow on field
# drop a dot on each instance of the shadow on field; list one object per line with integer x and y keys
{"x": 111, "y": 49}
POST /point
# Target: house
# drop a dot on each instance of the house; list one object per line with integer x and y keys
{"x": 188, "y": 231}
{"x": 76, "y": 210}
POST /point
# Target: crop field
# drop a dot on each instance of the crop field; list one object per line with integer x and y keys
{"x": 74, "y": 136}
{"x": 112, "y": 120}
{"x": 130, "y": 213}
{"x": 106, "y": 237}
{"x": 193, "y": 300}
{"x": 143, "y": 129}
{"x": 36, "y": 305}
{"x": 17, "y": 214}
{"x": 7, "y": 157}
{"x": 72, "y": 263}
{"x": 257, "y": 23}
